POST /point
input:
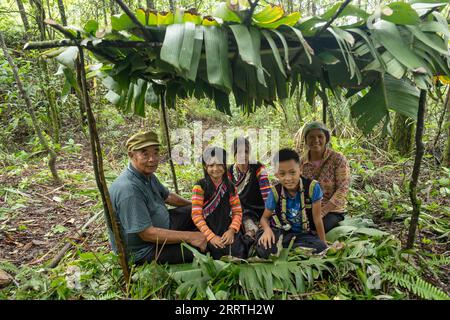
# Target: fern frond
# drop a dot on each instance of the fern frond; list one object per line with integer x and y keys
{"x": 8, "y": 267}
{"x": 416, "y": 285}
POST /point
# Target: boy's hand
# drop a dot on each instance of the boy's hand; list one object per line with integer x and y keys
{"x": 228, "y": 237}
{"x": 217, "y": 242}
{"x": 267, "y": 239}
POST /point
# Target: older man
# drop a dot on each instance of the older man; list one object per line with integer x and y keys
{"x": 150, "y": 230}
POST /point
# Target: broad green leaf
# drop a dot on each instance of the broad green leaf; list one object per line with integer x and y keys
{"x": 347, "y": 36}
{"x": 140, "y": 89}
{"x": 68, "y": 57}
{"x": 422, "y": 6}
{"x": 288, "y": 20}
{"x": 369, "y": 43}
{"x": 400, "y": 13}
{"x": 269, "y": 14}
{"x": 91, "y": 27}
{"x": 345, "y": 40}
{"x": 196, "y": 53}
{"x": 306, "y": 47}
{"x": 216, "y": 48}
{"x": 285, "y": 47}
{"x": 71, "y": 78}
{"x": 387, "y": 93}
{"x": 170, "y": 51}
{"x": 121, "y": 22}
{"x": 309, "y": 26}
{"x": 437, "y": 59}
{"x": 187, "y": 47}
{"x": 223, "y": 12}
{"x": 276, "y": 53}
{"x": 112, "y": 97}
{"x": 246, "y": 42}
{"x": 256, "y": 39}
{"x": 388, "y": 35}
{"x": 372, "y": 232}
{"x": 327, "y": 58}
{"x": 349, "y": 10}
{"x": 339, "y": 232}
{"x": 432, "y": 40}
{"x": 392, "y": 65}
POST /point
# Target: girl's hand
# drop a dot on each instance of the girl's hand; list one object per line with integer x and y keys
{"x": 267, "y": 239}
{"x": 228, "y": 237}
{"x": 217, "y": 242}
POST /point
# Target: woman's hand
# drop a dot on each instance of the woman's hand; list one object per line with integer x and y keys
{"x": 267, "y": 239}
{"x": 228, "y": 237}
{"x": 217, "y": 242}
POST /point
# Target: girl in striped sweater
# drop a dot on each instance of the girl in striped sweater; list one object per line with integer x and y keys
{"x": 216, "y": 209}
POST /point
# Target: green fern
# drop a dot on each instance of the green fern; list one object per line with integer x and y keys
{"x": 439, "y": 261}
{"x": 8, "y": 267}
{"x": 416, "y": 285}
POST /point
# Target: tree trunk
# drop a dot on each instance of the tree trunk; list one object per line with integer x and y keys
{"x": 40, "y": 17}
{"x": 62, "y": 12}
{"x": 80, "y": 96}
{"x": 48, "y": 91}
{"x": 97, "y": 159}
{"x": 323, "y": 96}
{"x": 402, "y": 140}
{"x": 447, "y": 147}
{"x": 30, "y": 110}
{"x": 23, "y": 15}
{"x": 298, "y": 103}
{"x": 416, "y": 170}
{"x": 167, "y": 135}
{"x": 313, "y": 9}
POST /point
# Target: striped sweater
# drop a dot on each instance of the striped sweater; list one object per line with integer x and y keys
{"x": 199, "y": 218}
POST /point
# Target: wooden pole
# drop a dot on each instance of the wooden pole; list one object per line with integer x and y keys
{"x": 416, "y": 170}
{"x": 169, "y": 148}
{"x": 97, "y": 159}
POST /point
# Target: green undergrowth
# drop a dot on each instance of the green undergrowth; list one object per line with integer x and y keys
{"x": 371, "y": 265}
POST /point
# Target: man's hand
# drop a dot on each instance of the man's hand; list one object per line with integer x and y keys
{"x": 228, "y": 237}
{"x": 198, "y": 240}
{"x": 217, "y": 242}
{"x": 267, "y": 239}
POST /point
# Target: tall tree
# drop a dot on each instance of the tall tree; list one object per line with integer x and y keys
{"x": 62, "y": 12}
{"x": 30, "y": 110}
{"x": 23, "y": 15}
{"x": 447, "y": 147}
{"x": 46, "y": 86}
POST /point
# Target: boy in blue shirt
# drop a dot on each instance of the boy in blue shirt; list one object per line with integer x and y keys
{"x": 290, "y": 207}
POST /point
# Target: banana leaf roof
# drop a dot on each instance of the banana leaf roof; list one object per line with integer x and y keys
{"x": 262, "y": 56}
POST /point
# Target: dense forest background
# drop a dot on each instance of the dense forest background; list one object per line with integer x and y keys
{"x": 53, "y": 240}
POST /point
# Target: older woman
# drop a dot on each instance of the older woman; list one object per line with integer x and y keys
{"x": 330, "y": 168}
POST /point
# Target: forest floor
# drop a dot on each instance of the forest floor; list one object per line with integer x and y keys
{"x": 38, "y": 217}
